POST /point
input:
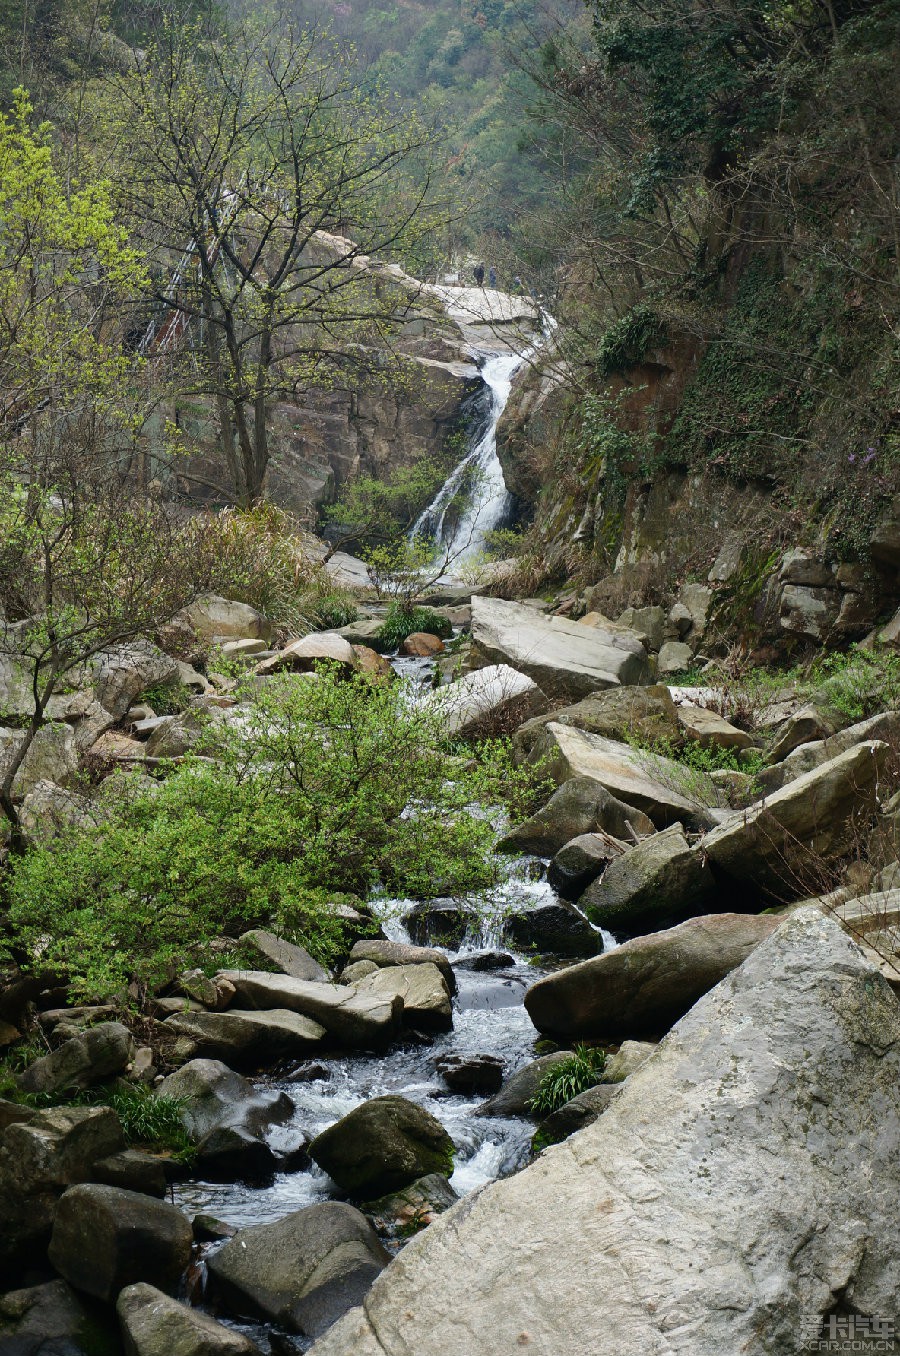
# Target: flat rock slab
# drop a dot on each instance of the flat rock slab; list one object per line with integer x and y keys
{"x": 383, "y": 953}
{"x": 645, "y": 985}
{"x": 495, "y": 699}
{"x": 567, "y": 661}
{"x": 421, "y": 989}
{"x": 653, "y": 784}
{"x": 285, "y": 957}
{"x": 740, "y": 1183}
{"x": 354, "y": 1018}
{"x": 247, "y": 1040}
{"x": 779, "y": 845}
{"x": 618, "y": 713}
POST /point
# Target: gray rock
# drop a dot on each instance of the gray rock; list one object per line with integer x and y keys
{"x": 100, "y": 1053}
{"x": 660, "y": 880}
{"x": 421, "y": 989}
{"x": 575, "y": 1114}
{"x": 407, "y": 1212}
{"x": 554, "y": 927}
{"x": 124, "y": 672}
{"x": 471, "y": 1074}
{"x": 646, "y": 621}
{"x": 629, "y": 1056}
{"x": 49, "y": 810}
{"x": 245, "y": 1040}
{"x": 565, "y": 659}
{"x": 400, "y": 953}
{"x": 302, "y": 656}
{"x": 775, "y": 845}
{"x": 808, "y": 611}
{"x": 581, "y": 805}
{"x": 482, "y": 962}
{"x": 740, "y": 1186}
{"x": 645, "y": 985}
{"x": 445, "y": 921}
{"x": 674, "y": 657}
{"x": 491, "y": 701}
{"x": 285, "y": 957}
{"x": 658, "y": 786}
{"x": 803, "y": 727}
{"x": 51, "y": 1320}
{"x": 105, "y": 1238}
{"x": 807, "y": 757}
{"x": 709, "y": 730}
{"x": 382, "y": 1146}
{"x": 581, "y": 861}
{"x": 516, "y": 1093}
{"x": 152, "y": 1324}
{"x": 621, "y": 713}
{"x": 302, "y": 1272}
{"x": 352, "y": 1017}
{"x": 133, "y": 1171}
{"x": 351, "y": 974}
{"x": 227, "y": 1117}
{"x": 213, "y": 615}
{"x": 52, "y": 757}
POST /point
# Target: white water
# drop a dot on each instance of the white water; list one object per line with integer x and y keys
{"x": 461, "y": 539}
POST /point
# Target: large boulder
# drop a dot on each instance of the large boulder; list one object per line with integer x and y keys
{"x": 353, "y": 1017}
{"x": 382, "y": 1146}
{"x": 660, "y": 880}
{"x": 303, "y": 1271}
{"x": 101, "y": 1052}
{"x": 740, "y": 1187}
{"x": 302, "y": 656}
{"x": 710, "y": 730}
{"x": 226, "y": 1116}
{"x": 566, "y": 660}
{"x": 105, "y": 1238}
{"x": 779, "y": 845}
{"x": 49, "y": 810}
{"x": 154, "y": 1325}
{"x": 581, "y": 805}
{"x": 649, "y": 782}
{"x": 645, "y": 713}
{"x": 552, "y": 926}
{"x": 212, "y": 616}
{"x": 806, "y": 757}
{"x": 274, "y": 953}
{"x": 421, "y": 989}
{"x": 581, "y": 860}
{"x": 51, "y": 1320}
{"x": 383, "y": 953}
{"x": 245, "y": 1040}
{"x": 493, "y": 700}
{"x": 121, "y": 674}
{"x": 40, "y": 1156}
{"x": 645, "y": 985}
{"x": 51, "y": 757}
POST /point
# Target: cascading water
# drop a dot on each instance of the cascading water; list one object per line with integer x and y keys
{"x": 459, "y": 539}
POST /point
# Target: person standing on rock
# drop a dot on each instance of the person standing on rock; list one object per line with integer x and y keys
{"x": 492, "y": 276}
{"x": 478, "y": 272}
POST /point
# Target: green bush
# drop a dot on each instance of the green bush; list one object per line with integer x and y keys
{"x": 567, "y": 1079}
{"x": 327, "y": 786}
{"x": 401, "y": 622}
{"x": 857, "y": 684}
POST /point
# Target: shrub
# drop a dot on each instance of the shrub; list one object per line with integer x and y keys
{"x": 857, "y": 684}
{"x": 567, "y": 1079}
{"x": 325, "y": 786}
{"x": 401, "y": 622}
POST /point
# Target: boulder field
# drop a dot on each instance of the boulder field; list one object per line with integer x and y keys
{"x": 741, "y": 1186}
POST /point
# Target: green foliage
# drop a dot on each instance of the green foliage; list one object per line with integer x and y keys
{"x": 521, "y": 788}
{"x": 401, "y": 622}
{"x": 627, "y": 340}
{"x": 148, "y": 1119}
{"x": 857, "y": 684}
{"x": 328, "y": 786}
{"x": 258, "y": 558}
{"x": 565, "y": 1080}
{"x": 167, "y": 699}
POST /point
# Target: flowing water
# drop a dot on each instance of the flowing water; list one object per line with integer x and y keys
{"x": 460, "y": 537}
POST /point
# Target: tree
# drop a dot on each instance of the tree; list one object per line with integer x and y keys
{"x": 257, "y": 157}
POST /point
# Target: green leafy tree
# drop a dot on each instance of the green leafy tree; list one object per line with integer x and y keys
{"x": 254, "y": 150}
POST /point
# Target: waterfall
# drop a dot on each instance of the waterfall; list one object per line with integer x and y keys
{"x": 462, "y": 538}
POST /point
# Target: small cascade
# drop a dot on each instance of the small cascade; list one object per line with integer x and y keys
{"x": 459, "y": 539}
